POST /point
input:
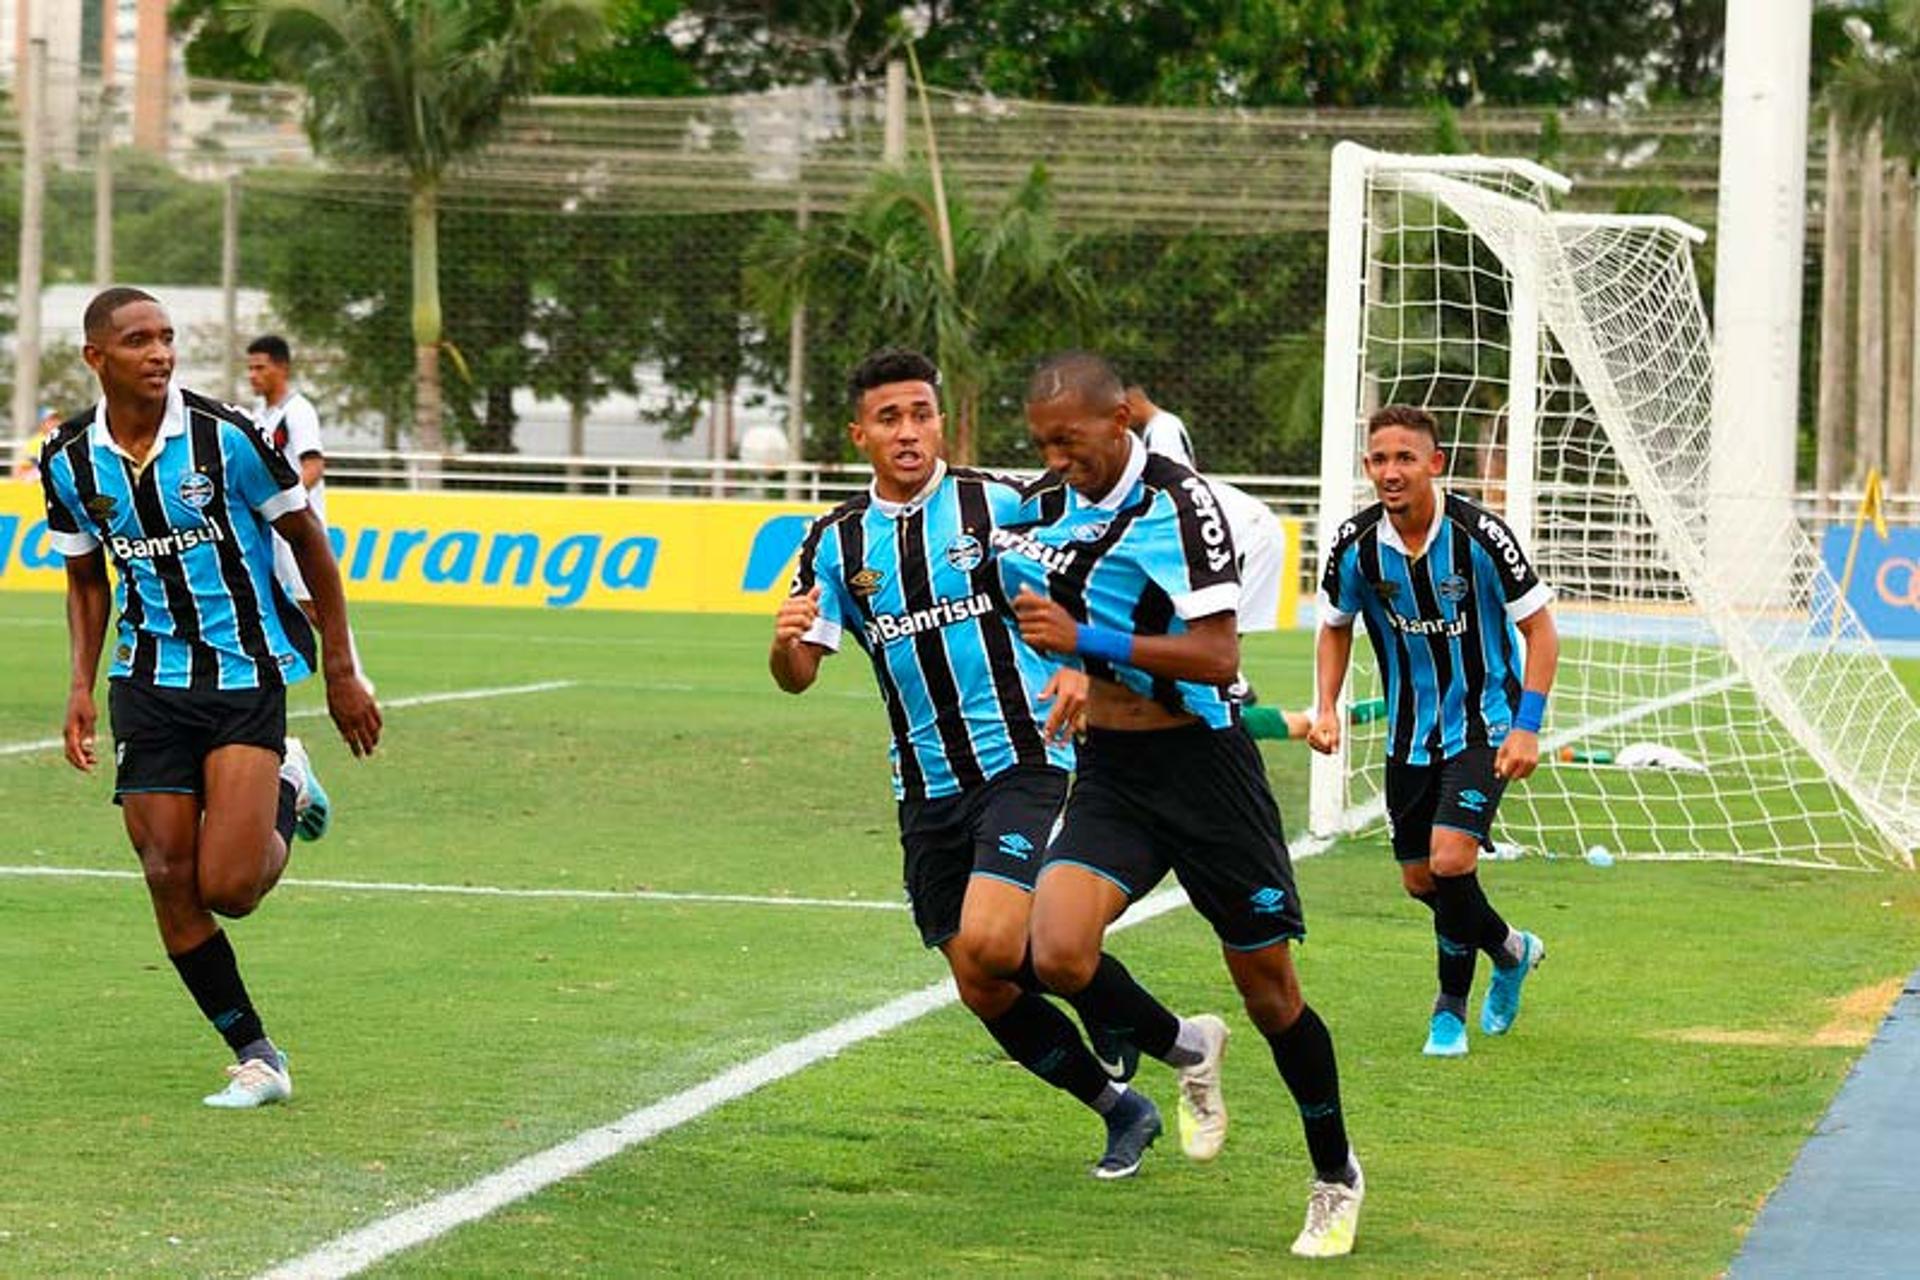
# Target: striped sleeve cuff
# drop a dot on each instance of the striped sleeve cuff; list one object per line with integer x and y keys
{"x": 291, "y": 499}
{"x": 1531, "y": 603}
{"x": 1221, "y": 597}
{"x": 824, "y": 632}
{"x": 73, "y": 545}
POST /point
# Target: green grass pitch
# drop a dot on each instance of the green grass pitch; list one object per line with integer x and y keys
{"x": 1689, "y": 1028}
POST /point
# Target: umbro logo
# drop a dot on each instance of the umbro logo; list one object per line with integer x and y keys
{"x": 1473, "y": 800}
{"x": 866, "y": 582}
{"x": 1268, "y": 901}
{"x": 101, "y": 506}
{"x": 1015, "y": 845}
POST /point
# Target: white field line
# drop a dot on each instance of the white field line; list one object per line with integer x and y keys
{"x": 1639, "y": 711}
{"x": 359, "y": 1249}
{"x": 390, "y": 704}
{"x": 488, "y": 891}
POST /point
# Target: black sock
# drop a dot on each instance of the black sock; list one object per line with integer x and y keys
{"x": 1456, "y": 931}
{"x": 1304, "y": 1054}
{"x": 1027, "y": 980}
{"x": 283, "y": 821}
{"x": 1493, "y": 929}
{"x": 1044, "y": 1040}
{"x": 1126, "y": 1008}
{"x": 213, "y": 977}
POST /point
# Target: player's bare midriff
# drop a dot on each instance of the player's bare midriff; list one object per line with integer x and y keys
{"x": 1114, "y": 706}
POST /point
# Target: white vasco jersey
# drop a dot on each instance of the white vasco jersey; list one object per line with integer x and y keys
{"x": 1167, "y": 436}
{"x": 294, "y": 427}
{"x": 1257, "y": 537}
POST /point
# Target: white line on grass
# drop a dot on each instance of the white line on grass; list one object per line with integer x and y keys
{"x": 389, "y": 704}
{"x": 489, "y": 891}
{"x": 359, "y": 1249}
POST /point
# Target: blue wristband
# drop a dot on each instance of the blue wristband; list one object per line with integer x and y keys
{"x": 1533, "y": 711}
{"x": 1104, "y": 643}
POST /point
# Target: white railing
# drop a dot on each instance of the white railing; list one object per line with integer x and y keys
{"x": 693, "y": 478}
{"x": 822, "y": 483}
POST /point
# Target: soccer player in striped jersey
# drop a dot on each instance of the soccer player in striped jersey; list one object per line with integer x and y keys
{"x": 184, "y": 494}
{"x": 1447, "y": 593}
{"x": 1129, "y": 567}
{"x": 979, "y": 769}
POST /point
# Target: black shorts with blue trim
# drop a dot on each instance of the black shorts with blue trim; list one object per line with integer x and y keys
{"x": 1462, "y": 792}
{"x": 162, "y": 737}
{"x": 998, "y": 830}
{"x": 1194, "y": 801}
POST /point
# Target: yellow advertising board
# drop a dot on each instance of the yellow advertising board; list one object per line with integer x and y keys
{"x": 533, "y": 551}
{"x": 1290, "y": 574}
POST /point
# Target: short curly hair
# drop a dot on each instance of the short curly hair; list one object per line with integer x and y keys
{"x": 1405, "y": 415}
{"x": 888, "y": 365}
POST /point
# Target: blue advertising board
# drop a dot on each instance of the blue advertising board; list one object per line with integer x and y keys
{"x": 1885, "y": 589}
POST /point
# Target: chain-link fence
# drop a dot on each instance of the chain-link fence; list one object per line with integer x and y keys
{"x": 627, "y": 278}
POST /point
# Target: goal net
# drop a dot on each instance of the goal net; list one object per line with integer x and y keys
{"x": 1716, "y": 698}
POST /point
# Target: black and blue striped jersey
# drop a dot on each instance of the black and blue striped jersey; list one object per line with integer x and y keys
{"x": 913, "y": 584}
{"x": 188, "y": 532}
{"x": 1150, "y": 557}
{"x": 1441, "y": 623}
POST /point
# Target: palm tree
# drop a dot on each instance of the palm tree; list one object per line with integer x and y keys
{"x": 1014, "y": 286}
{"x": 417, "y": 85}
{"x": 1879, "y": 81}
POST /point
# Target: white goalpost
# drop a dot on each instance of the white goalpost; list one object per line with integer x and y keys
{"x": 1716, "y": 696}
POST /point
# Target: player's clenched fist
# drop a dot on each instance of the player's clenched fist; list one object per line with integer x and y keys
{"x": 1324, "y": 736}
{"x": 795, "y": 618}
{"x": 1043, "y": 624}
{"x": 77, "y": 734}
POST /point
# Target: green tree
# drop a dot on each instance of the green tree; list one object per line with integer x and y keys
{"x": 1223, "y": 330}
{"x": 737, "y": 46}
{"x": 1878, "y": 81}
{"x": 586, "y": 345}
{"x": 878, "y": 275}
{"x": 638, "y": 59}
{"x": 1261, "y": 53}
{"x": 338, "y": 279}
{"x": 218, "y": 45}
{"x": 416, "y": 85}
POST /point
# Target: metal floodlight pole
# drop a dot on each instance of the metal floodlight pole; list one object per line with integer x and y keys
{"x": 230, "y": 285}
{"x": 797, "y": 370}
{"x": 33, "y": 190}
{"x": 103, "y": 191}
{"x": 894, "y": 148}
